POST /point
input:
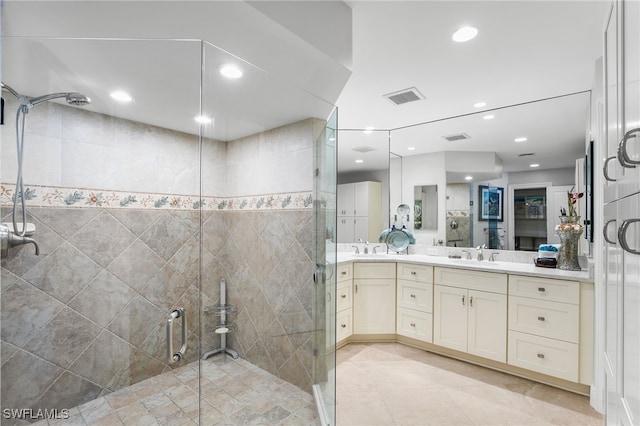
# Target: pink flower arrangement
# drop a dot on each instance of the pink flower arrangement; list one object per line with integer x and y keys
{"x": 572, "y": 198}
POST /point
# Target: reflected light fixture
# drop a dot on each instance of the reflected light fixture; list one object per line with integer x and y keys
{"x": 359, "y": 161}
{"x": 534, "y": 165}
{"x": 202, "y": 119}
{"x": 464, "y": 34}
{"x": 230, "y": 71}
{"x": 411, "y": 148}
{"x": 479, "y": 104}
{"x": 121, "y": 96}
{"x": 520, "y": 139}
{"x": 489, "y": 117}
{"x": 468, "y": 178}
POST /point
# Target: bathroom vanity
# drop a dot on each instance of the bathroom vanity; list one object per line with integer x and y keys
{"x": 532, "y": 322}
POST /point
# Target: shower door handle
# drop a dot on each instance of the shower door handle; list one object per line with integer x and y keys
{"x": 171, "y": 355}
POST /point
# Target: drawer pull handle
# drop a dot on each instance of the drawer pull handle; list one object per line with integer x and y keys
{"x": 463, "y": 300}
{"x": 413, "y": 296}
{"x": 542, "y": 289}
{"x": 413, "y": 272}
{"x": 471, "y": 301}
{"x": 413, "y": 324}
{"x": 343, "y": 325}
{"x": 541, "y": 319}
{"x": 344, "y": 272}
{"x": 344, "y": 296}
{"x": 541, "y": 356}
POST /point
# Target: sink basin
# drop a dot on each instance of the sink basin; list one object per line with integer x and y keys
{"x": 471, "y": 262}
{"x": 371, "y": 255}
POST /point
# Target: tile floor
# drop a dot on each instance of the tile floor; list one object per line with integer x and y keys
{"x": 392, "y": 384}
{"x": 234, "y": 392}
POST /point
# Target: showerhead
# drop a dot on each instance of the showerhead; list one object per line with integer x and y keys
{"x": 77, "y": 99}
{"x": 72, "y": 98}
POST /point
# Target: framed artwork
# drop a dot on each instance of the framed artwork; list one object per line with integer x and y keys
{"x": 491, "y": 204}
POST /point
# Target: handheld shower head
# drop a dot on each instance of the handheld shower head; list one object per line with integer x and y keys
{"x": 77, "y": 99}
{"x": 72, "y": 98}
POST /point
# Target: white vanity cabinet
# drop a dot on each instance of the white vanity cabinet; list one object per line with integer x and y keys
{"x": 544, "y": 326}
{"x": 470, "y": 312}
{"x": 359, "y": 207}
{"x": 414, "y": 295}
{"x": 374, "y": 298}
{"x": 344, "y": 302}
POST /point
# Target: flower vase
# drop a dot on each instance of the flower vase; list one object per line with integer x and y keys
{"x": 569, "y": 231}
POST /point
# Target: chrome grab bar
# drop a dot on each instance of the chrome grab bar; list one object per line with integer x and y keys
{"x": 176, "y": 356}
{"x": 622, "y": 236}
{"x": 623, "y": 155}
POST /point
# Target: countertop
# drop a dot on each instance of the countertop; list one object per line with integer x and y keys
{"x": 497, "y": 266}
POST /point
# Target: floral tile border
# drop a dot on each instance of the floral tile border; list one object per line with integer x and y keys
{"x": 51, "y": 196}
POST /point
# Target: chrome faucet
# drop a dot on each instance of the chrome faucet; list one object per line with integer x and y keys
{"x": 8, "y": 239}
{"x": 468, "y": 253}
{"x": 376, "y": 247}
{"x": 481, "y": 252}
{"x": 492, "y": 256}
{"x": 357, "y": 249}
{"x": 366, "y": 245}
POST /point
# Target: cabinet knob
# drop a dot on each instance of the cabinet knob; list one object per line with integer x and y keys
{"x": 413, "y": 324}
{"x": 541, "y": 319}
{"x": 343, "y": 325}
{"x": 413, "y": 272}
{"x": 541, "y": 356}
{"x": 463, "y": 300}
{"x": 344, "y": 296}
{"x": 344, "y": 272}
{"x": 542, "y": 289}
{"x": 413, "y": 296}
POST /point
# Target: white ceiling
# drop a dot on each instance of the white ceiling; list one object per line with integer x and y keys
{"x": 525, "y": 51}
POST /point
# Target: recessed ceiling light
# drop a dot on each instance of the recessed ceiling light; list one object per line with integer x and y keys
{"x": 520, "y": 139}
{"x": 464, "y": 34}
{"x": 489, "y": 117}
{"x": 202, "y": 119}
{"x": 121, "y": 96}
{"x": 411, "y": 148}
{"x": 359, "y": 161}
{"x": 468, "y": 178}
{"x": 479, "y": 104}
{"x": 534, "y": 165}
{"x": 230, "y": 71}
{"x": 368, "y": 130}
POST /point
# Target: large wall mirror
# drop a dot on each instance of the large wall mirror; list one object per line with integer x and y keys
{"x": 474, "y": 169}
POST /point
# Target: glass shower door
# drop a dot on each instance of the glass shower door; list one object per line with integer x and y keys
{"x": 324, "y": 380}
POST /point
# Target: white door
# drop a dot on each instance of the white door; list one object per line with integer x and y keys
{"x": 487, "y": 325}
{"x": 345, "y": 199}
{"x": 374, "y": 306}
{"x": 450, "y": 317}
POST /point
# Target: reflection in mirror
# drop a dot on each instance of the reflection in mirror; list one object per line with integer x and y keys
{"x": 461, "y": 153}
{"x": 425, "y": 200}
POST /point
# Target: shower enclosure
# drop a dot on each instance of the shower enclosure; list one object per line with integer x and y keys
{"x": 139, "y": 212}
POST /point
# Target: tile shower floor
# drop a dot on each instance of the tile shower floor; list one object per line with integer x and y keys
{"x": 392, "y": 384}
{"x": 234, "y": 392}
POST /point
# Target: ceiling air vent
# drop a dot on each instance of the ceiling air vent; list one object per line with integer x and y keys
{"x": 527, "y": 154}
{"x": 457, "y": 137}
{"x": 404, "y": 96}
{"x": 364, "y": 149}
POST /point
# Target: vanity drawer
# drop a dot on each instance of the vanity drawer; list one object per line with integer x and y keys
{"x": 345, "y": 296}
{"x": 345, "y": 272}
{"x": 543, "y": 318}
{"x": 415, "y": 324}
{"x": 344, "y": 324}
{"x": 474, "y": 280}
{"x": 545, "y": 289}
{"x": 546, "y": 356}
{"x": 374, "y": 270}
{"x": 412, "y": 272}
{"x": 415, "y": 295}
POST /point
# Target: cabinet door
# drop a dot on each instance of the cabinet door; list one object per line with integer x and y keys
{"x": 487, "y": 325}
{"x": 374, "y": 306}
{"x": 345, "y": 199}
{"x": 612, "y": 168}
{"x": 629, "y": 239}
{"x": 361, "y": 228}
{"x": 346, "y": 230}
{"x": 450, "y": 317}
{"x": 361, "y": 199}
